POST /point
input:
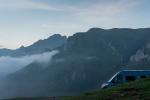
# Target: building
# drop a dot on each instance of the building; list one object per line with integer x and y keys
{"x": 126, "y": 76}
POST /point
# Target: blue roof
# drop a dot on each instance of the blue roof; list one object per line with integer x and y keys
{"x": 131, "y": 72}
{"x": 134, "y": 70}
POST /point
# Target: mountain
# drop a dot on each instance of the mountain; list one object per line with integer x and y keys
{"x": 38, "y": 47}
{"x": 85, "y": 61}
{"x": 5, "y": 52}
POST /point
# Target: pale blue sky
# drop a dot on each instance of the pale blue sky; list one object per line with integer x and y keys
{"x": 23, "y": 22}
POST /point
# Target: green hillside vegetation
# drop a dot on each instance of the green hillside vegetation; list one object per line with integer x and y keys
{"x": 137, "y": 90}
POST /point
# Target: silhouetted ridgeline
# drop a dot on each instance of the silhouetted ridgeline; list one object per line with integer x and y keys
{"x": 38, "y": 47}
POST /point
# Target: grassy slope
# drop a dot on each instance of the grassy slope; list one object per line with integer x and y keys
{"x": 137, "y": 90}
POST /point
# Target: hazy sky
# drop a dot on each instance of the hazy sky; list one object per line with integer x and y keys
{"x": 22, "y": 22}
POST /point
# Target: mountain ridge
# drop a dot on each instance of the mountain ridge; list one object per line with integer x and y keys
{"x": 84, "y": 62}
{"x": 37, "y": 47}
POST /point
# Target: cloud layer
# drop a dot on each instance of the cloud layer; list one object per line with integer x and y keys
{"x": 25, "y": 5}
{"x": 95, "y": 8}
{"x": 12, "y": 64}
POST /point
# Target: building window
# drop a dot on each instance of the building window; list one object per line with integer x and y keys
{"x": 143, "y": 76}
{"x": 130, "y": 78}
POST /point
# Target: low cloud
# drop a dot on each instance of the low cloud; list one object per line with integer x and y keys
{"x": 11, "y": 64}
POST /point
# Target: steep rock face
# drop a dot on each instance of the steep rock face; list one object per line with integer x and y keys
{"x": 141, "y": 58}
{"x": 138, "y": 56}
{"x": 84, "y": 62}
{"x": 142, "y": 53}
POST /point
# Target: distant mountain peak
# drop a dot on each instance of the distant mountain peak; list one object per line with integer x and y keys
{"x": 95, "y": 29}
{"x": 37, "y": 47}
{"x": 21, "y": 47}
{"x": 56, "y": 35}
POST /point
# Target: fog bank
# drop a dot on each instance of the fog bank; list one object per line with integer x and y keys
{"x": 11, "y": 64}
